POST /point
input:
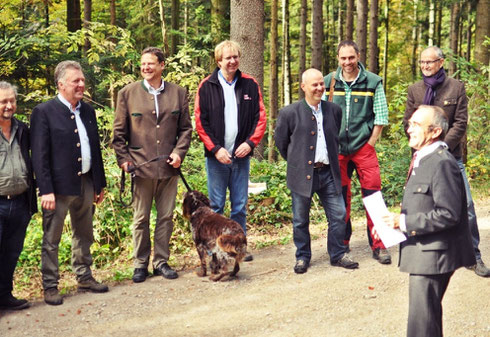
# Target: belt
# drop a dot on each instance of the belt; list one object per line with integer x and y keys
{"x": 10, "y": 196}
{"x": 320, "y": 165}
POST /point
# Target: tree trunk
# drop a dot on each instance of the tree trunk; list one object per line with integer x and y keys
{"x": 439, "y": 23}
{"x": 302, "y": 43}
{"x": 317, "y": 34}
{"x": 361, "y": 29}
{"x": 349, "y": 21}
{"x": 175, "y": 26}
{"x": 454, "y": 35}
{"x": 247, "y": 28}
{"x": 46, "y": 13}
{"x": 87, "y": 18}
{"x": 73, "y": 20}
{"x": 386, "y": 45}
{"x": 373, "y": 37}
{"x": 482, "y": 31}
{"x": 286, "y": 74}
{"x": 469, "y": 34}
{"x": 273, "y": 83}
{"x": 432, "y": 21}
{"x": 113, "y": 12}
{"x": 415, "y": 38}
{"x": 220, "y": 28}
{"x": 164, "y": 29}
{"x": 340, "y": 29}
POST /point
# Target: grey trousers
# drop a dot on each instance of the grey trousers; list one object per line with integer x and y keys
{"x": 163, "y": 191}
{"x": 425, "y": 304}
{"x": 81, "y": 210}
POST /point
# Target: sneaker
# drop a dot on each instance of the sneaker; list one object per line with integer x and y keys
{"x": 382, "y": 255}
{"x": 140, "y": 275}
{"x": 9, "y": 302}
{"x": 480, "y": 269}
{"x": 248, "y": 258}
{"x": 52, "y": 296}
{"x": 165, "y": 271}
{"x": 92, "y": 285}
{"x": 345, "y": 262}
{"x": 301, "y": 266}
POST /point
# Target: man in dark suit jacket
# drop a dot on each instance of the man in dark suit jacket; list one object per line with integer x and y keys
{"x": 448, "y": 93}
{"x": 435, "y": 220}
{"x": 307, "y": 137}
{"x": 69, "y": 172}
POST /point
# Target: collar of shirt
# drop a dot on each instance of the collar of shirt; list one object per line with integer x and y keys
{"x": 342, "y": 78}
{"x": 152, "y": 90}
{"x": 426, "y": 150}
{"x": 315, "y": 109}
{"x": 220, "y": 76}
{"x": 68, "y": 104}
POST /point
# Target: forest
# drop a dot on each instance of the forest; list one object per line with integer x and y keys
{"x": 279, "y": 40}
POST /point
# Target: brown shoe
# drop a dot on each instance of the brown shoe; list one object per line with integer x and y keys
{"x": 382, "y": 255}
{"x": 92, "y": 285}
{"x": 52, "y": 296}
{"x": 345, "y": 262}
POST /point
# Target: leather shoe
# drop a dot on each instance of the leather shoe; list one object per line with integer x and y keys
{"x": 301, "y": 266}
{"x": 52, "y": 296}
{"x": 140, "y": 275}
{"x": 92, "y": 285}
{"x": 345, "y": 262}
{"x": 165, "y": 271}
{"x": 248, "y": 258}
{"x": 382, "y": 255}
{"x": 481, "y": 269}
{"x": 9, "y": 302}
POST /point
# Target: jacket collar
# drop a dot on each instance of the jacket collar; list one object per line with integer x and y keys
{"x": 214, "y": 76}
{"x": 361, "y": 77}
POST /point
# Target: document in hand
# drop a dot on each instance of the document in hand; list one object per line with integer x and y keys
{"x": 376, "y": 207}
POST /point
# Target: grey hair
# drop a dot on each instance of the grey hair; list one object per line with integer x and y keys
{"x": 7, "y": 86}
{"x": 439, "y": 52}
{"x": 439, "y": 119}
{"x": 60, "y": 70}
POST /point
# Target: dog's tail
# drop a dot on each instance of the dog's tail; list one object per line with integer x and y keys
{"x": 235, "y": 245}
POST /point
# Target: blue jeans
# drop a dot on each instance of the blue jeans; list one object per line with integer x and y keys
{"x": 234, "y": 177}
{"x": 14, "y": 218}
{"x": 333, "y": 204}
{"x": 472, "y": 222}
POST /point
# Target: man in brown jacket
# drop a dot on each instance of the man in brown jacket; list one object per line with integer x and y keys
{"x": 152, "y": 119}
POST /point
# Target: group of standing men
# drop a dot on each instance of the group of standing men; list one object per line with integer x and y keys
{"x": 324, "y": 138}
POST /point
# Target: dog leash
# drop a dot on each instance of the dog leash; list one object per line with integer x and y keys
{"x": 132, "y": 169}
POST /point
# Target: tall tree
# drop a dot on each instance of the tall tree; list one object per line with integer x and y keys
{"x": 220, "y": 28}
{"x": 175, "y": 24}
{"x": 373, "y": 37}
{"x": 454, "y": 34}
{"x": 113, "y": 12}
{"x": 386, "y": 44}
{"x": 415, "y": 38}
{"x": 87, "y": 18}
{"x": 340, "y": 21}
{"x": 349, "y": 20}
{"x": 302, "y": 44}
{"x": 273, "y": 83}
{"x": 286, "y": 56}
{"x": 317, "y": 34}
{"x": 482, "y": 31}
{"x": 361, "y": 29}
{"x": 73, "y": 19}
{"x": 432, "y": 21}
{"x": 163, "y": 27}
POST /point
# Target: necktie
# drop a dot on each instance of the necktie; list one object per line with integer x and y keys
{"x": 410, "y": 169}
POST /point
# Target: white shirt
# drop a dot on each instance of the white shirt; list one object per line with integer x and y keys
{"x": 82, "y": 134}
{"x": 230, "y": 113}
{"x": 321, "y": 152}
{"x": 155, "y": 93}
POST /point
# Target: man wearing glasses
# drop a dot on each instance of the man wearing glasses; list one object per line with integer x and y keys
{"x": 436, "y": 88}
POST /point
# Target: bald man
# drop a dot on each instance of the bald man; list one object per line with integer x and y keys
{"x": 307, "y": 137}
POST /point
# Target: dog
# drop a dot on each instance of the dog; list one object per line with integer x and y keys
{"x": 215, "y": 236}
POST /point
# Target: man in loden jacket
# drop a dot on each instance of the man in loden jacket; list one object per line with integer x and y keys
{"x": 230, "y": 120}
{"x": 152, "y": 119}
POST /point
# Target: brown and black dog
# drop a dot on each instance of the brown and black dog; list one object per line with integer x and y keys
{"x": 216, "y": 236}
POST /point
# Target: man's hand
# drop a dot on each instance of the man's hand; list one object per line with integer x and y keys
{"x": 243, "y": 150}
{"x": 48, "y": 201}
{"x": 125, "y": 166}
{"x": 174, "y": 160}
{"x": 391, "y": 220}
{"x": 223, "y": 156}
{"x": 99, "y": 197}
{"x": 375, "y": 135}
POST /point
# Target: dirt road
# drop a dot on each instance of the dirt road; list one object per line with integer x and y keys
{"x": 268, "y": 299}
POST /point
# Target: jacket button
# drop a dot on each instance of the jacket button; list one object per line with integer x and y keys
{"x": 308, "y": 177}
{"x": 310, "y": 162}
{"x": 312, "y": 118}
{"x": 79, "y": 158}
{"x": 312, "y": 147}
{"x": 158, "y": 126}
{"x": 76, "y": 130}
{"x": 154, "y": 112}
{"x": 419, "y": 189}
{"x": 413, "y": 233}
{"x": 313, "y": 133}
{"x": 72, "y": 117}
{"x": 79, "y": 173}
{"x": 356, "y": 100}
{"x": 78, "y": 144}
{"x": 158, "y": 142}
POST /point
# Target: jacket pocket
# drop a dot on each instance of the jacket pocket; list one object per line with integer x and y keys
{"x": 421, "y": 189}
{"x": 450, "y": 101}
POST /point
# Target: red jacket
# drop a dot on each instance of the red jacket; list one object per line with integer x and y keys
{"x": 209, "y": 112}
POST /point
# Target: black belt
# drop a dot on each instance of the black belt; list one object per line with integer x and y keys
{"x": 10, "y": 196}
{"x": 320, "y": 165}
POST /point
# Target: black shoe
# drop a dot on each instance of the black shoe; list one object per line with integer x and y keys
{"x": 301, "y": 266}
{"x": 52, "y": 296}
{"x": 345, "y": 262}
{"x": 165, "y": 271}
{"x": 248, "y": 258}
{"x": 140, "y": 275}
{"x": 481, "y": 269}
{"x": 382, "y": 255}
{"x": 9, "y": 302}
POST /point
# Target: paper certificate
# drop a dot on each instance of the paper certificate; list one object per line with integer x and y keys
{"x": 376, "y": 207}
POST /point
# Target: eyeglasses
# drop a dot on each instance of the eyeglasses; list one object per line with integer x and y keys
{"x": 428, "y": 63}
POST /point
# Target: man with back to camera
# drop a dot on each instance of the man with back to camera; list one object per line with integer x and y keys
{"x": 17, "y": 193}
{"x": 448, "y": 93}
{"x": 69, "y": 171}
{"x": 434, "y": 219}
{"x": 306, "y": 137}
{"x": 361, "y": 96}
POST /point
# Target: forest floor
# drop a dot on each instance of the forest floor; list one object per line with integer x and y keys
{"x": 267, "y": 299}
